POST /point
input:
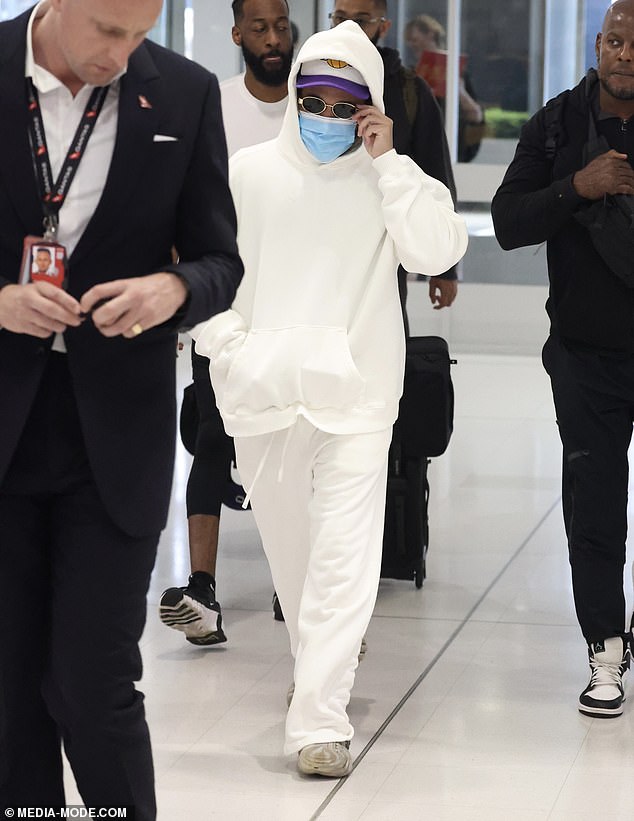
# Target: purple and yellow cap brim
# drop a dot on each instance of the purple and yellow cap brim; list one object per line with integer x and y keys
{"x": 334, "y": 73}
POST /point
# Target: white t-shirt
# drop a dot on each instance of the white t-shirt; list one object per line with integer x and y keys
{"x": 248, "y": 120}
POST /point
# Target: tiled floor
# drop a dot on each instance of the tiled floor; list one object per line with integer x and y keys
{"x": 465, "y": 705}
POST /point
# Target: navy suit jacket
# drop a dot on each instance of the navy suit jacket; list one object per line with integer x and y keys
{"x": 158, "y": 195}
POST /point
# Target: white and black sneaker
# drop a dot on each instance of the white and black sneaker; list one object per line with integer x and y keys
{"x": 605, "y": 693}
{"x": 194, "y": 610}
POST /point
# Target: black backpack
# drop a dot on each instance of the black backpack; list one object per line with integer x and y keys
{"x": 425, "y": 416}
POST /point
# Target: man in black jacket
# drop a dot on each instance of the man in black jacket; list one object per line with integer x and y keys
{"x": 589, "y": 355}
{"x": 87, "y": 401}
{"x": 418, "y": 127}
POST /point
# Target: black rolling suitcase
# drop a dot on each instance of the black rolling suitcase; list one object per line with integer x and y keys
{"x": 406, "y": 529}
{"x": 423, "y": 429}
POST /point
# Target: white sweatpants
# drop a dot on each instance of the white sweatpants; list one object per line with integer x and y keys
{"x": 319, "y": 503}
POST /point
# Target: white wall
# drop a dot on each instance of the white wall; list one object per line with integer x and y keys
{"x": 303, "y": 14}
{"x": 212, "y": 43}
{"x": 562, "y": 46}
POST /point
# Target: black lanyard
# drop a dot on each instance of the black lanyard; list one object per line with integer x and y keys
{"x": 53, "y": 192}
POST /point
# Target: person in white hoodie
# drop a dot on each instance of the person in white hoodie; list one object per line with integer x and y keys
{"x": 307, "y": 365}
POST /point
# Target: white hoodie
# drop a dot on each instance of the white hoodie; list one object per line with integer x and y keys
{"x": 316, "y": 327}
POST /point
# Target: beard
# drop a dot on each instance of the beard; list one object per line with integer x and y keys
{"x": 619, "y": 93}
{"x": 268, "y": 77}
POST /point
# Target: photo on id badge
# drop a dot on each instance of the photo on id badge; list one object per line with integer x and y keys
{"x": 43, "y": 261}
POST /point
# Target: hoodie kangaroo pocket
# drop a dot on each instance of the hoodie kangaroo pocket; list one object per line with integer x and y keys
{"x": 281, "y": 367}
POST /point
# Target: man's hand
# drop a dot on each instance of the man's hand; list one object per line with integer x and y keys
{"x": 375, "y": 129}
{"x": 131, "y": 306}
{"x": 610, "y": 173}
{"x": 38, "y": 309}
{"x": 442, "y": 292}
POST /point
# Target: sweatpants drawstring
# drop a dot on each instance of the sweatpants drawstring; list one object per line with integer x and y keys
{"x": 265, "y": 455}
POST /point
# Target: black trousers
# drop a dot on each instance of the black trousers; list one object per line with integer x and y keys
{"x": 72, "y": 610}
{"x": 211, "y": 468}
{"x": 594, "y": 402}
{"x": 402, "y": 294}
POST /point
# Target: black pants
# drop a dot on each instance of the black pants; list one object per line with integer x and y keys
{"x": 72, "y": 610}
{"x": 594, "y": 402}
{"x": 402, "y": 294}
{"x": 211, "y": 469}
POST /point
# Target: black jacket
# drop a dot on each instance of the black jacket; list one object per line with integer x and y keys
{"x": 424, "y": 140}
{"x": 588, "y": 305}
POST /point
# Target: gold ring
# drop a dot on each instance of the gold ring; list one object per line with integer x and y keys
{"x": 136, "y": 329}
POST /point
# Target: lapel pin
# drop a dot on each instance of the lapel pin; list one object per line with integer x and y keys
{"x": 144, "y": 102}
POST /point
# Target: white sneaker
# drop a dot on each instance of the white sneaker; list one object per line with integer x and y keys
{"x": 330, "y": 759}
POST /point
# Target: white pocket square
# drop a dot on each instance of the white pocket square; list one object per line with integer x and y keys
{"x": 164, "y": 138}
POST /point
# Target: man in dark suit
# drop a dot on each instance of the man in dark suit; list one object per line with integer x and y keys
{"x": 87, "y": 403}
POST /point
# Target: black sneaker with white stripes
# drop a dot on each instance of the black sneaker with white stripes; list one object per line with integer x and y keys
{"x": 605, "y": 693}
{"x": 194, "y": 610}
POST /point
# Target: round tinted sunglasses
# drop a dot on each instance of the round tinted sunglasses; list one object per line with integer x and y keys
{"x": 315, "y": 105}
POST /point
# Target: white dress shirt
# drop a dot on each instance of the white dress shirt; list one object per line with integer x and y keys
{"x": 61, "y": 114}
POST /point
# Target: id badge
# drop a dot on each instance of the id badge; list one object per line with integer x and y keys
{"x": 44, "y": 261}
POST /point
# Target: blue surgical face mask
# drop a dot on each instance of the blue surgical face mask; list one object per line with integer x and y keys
{"x": 326, "y": 137}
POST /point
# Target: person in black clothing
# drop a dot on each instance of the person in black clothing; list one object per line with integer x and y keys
{"x": 418, "y": 126}
{"x": 88, "y": 378}
{"x": 589, "y": 355}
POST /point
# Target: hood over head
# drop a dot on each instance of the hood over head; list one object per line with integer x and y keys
{"x": 342, "y": 57}
{"x": 345, "y": 44}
